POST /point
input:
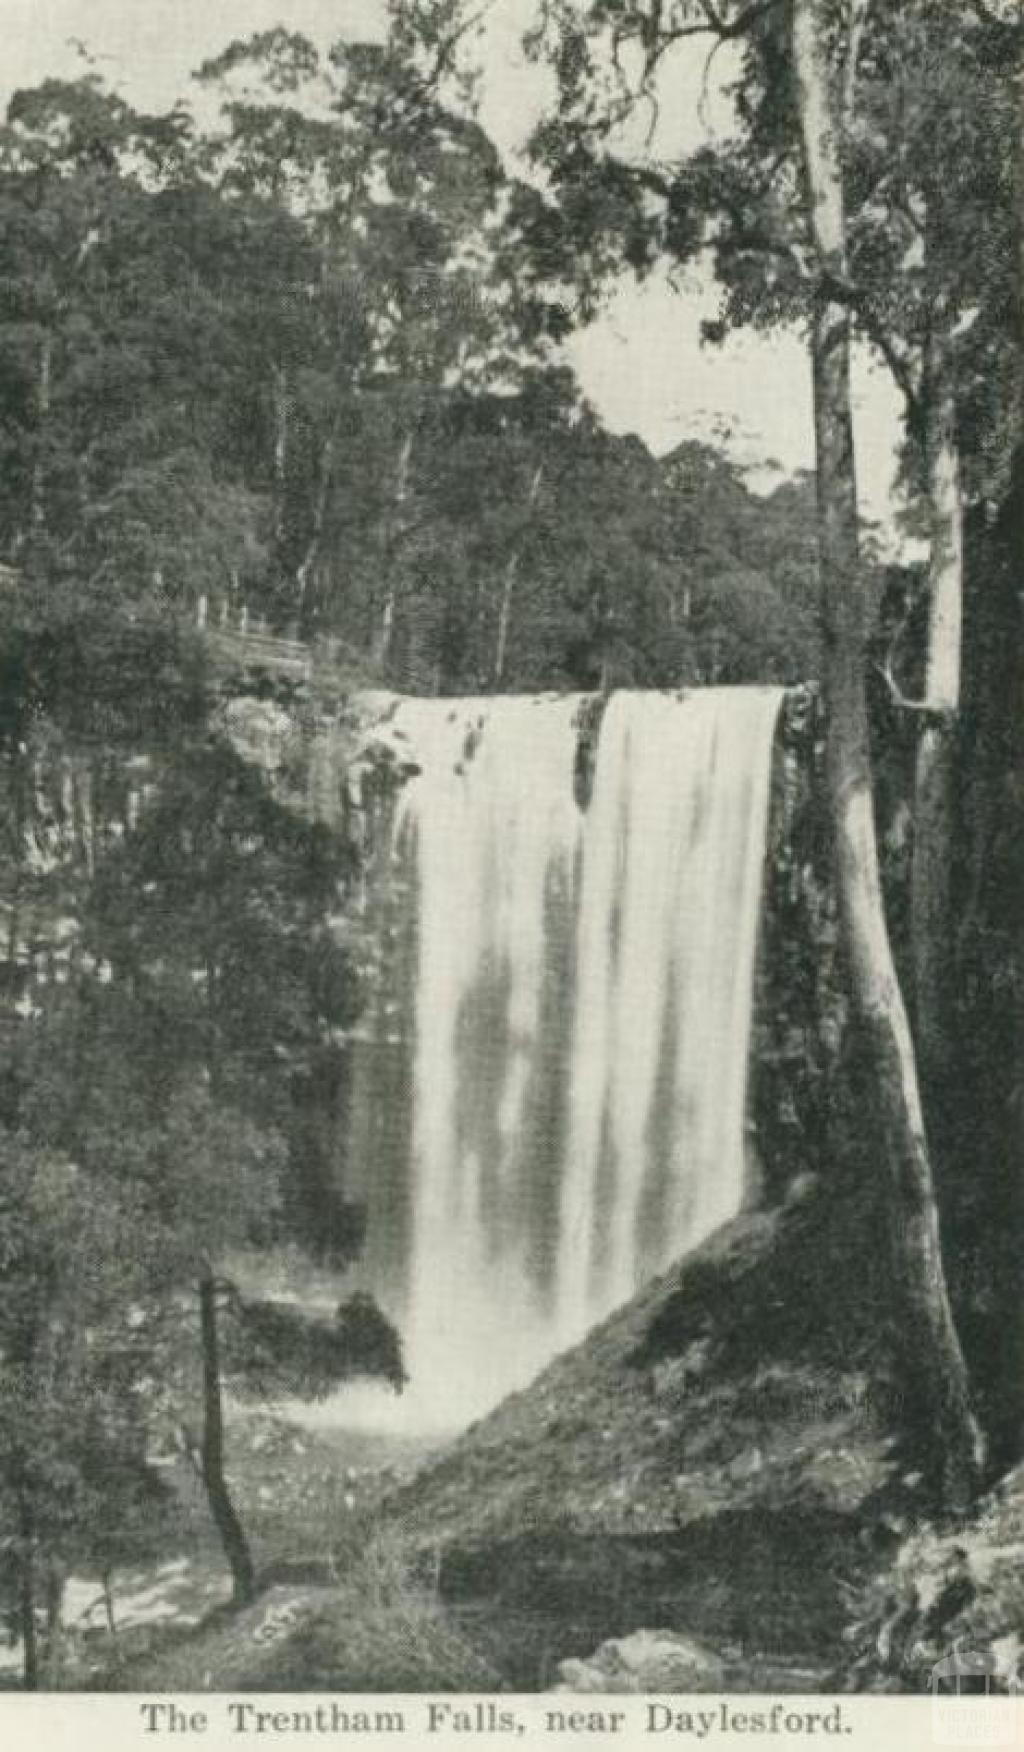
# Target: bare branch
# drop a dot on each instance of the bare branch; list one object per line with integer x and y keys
{"x": 901, "y": 700}
{"x": 859, "y": 12}
{"x": 886, "y": 670}
{"x": 741, "y": 24}
{"x": 446, "y": 48}
{"x": 899, "y": 366}
{"x": 658, "y": 42}
{"x": 705, "y": 83}
{"x": 845, "y": 292}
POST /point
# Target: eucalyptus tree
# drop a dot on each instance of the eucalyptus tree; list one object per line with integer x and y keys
{"x": 108, "y": 316}
{"x": 824, "y": 108}
{"x": 401, "y": 196}
{"x": 927, "y": 160}
{"x": 805, "y": 208}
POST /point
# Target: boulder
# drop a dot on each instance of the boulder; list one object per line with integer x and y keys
{"x": 647, "y": 1661}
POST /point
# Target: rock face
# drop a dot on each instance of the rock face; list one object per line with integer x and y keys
{"x": 260, "y": 731}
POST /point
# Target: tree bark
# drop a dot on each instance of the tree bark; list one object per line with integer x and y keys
{"x": 387, "y": 619}
{"x": 107, "y": 1584}
{"x": 27, "y": 1601}
{"x": 933, "y": 1358}
{"x": 222, "y": 1509}
{"x": 54, "y": 1657}
{"x": 304, "y": 570}
{"x": 504, "y": 615}
{"x": 505, "y": 611}
{"x": 37, "y": 507}
{"x": 17, "y": 819}
{"x": 279, "y": 382}
{"x": 931, "y": 927}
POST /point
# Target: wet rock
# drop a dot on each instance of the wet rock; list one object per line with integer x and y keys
{"x": 647, "y": 1661}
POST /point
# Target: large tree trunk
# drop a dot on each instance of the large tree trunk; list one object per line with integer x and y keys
{"x": 935, "y": 781}
{"x": 999, "y": 923}
{"x": 989, "y": 907}
{"x": 225, "y": 1517}
{"x": 933, "y": 1358}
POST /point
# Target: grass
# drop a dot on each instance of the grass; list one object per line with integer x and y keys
{"x": 379, "y": 1628}
{"x": 342, "y": 1607}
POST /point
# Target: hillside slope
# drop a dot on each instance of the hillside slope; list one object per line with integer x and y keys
{"x": 716, "y": 1457}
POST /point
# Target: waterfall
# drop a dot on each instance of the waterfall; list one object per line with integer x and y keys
{"x": 580, "y": 1017}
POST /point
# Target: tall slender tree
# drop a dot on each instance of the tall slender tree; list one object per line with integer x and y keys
{"x": 934, "y": 1348}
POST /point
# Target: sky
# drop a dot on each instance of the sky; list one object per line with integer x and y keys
{"x": 641, "y": 364}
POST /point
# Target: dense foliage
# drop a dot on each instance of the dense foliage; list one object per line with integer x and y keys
{"x": 297, "y": 363}
{"x": 303, "y": 363}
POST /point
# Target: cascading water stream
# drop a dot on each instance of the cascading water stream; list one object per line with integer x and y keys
{"x": 583, "y": 984}
{"x": 673, "y": 851}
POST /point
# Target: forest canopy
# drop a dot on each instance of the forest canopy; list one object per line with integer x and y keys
{"x": 299, "y": 361}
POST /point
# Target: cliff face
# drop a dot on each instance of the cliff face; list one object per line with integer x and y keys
{"x": 67, "y": 803}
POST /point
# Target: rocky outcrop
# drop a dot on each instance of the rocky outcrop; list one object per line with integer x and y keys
{"x": 953, "y": 1599}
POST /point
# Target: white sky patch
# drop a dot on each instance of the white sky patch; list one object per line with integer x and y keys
{"x": 149, "y": 48}
{"x": 644, "y": 367}
{"x": 641, "y": 365}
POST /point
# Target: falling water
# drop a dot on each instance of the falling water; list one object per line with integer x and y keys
{"x": 669, "y": 907}
{"x": 582, "y": 1000}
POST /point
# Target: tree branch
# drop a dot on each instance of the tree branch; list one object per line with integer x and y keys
{"x": 898, "y": 365}
{"x": 657, "y": 42}
{"x": 445, "y": 52}
{"x": 858, "y": 21}
{"x": 845, "y": 292}
{"x": 737, "y": 26}
{"x": 885, "y": 669}
{"x": 903, "y": 703}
